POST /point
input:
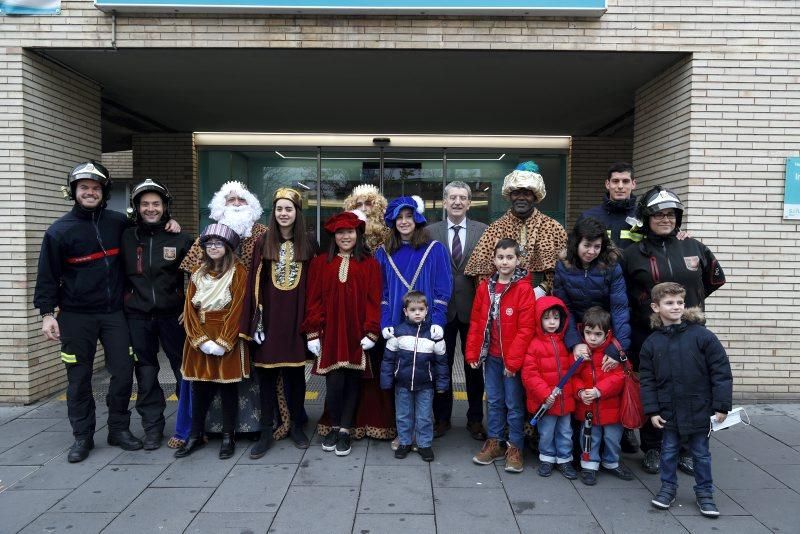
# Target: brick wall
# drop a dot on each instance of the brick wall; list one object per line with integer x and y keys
{"x": 55, "y": 123}
{"x": 172, "y": 160}
{"x": 119, "y": 165}
{"x": 590, "y": 158}
{"x": 661, "y": 130}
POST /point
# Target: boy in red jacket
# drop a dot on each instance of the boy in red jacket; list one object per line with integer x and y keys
{"x": 546, "y": 362}
{"x": 501, "y": 326}
{"x": 599, "y": 393}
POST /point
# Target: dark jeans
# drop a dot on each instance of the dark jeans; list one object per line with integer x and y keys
{"x": 294, "y": 381}
{"x": 343, "y": 387}
{"x": 79, "y": 335}
{"x": 670, "y": 453}
{"x": 443, "y": 402}
{"x": 202, "y": 395}
{"x": 146, "y": 333}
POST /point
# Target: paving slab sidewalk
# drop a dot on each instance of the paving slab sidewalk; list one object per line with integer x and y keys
{"x": 756, "y": 468}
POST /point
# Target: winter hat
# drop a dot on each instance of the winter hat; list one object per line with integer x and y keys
{"x": 414, "y": 202}
{"x": 525, "y": 176}
{"x": 222, "y": 232}
{"x": 343, "y": 220}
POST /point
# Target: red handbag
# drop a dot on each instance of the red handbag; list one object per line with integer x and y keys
{"x": 631, "y": 413}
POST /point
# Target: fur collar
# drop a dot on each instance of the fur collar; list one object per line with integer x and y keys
{"x": 690, "y": 315}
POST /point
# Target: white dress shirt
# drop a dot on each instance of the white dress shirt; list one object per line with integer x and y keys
{"x": 462, "y": 234}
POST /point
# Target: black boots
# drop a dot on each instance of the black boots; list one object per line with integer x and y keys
{"x": 298, "y": 436}
{"x": 152, "y": 440}
{"x": 191, "y": 445}
{"x": 80, "y": 450}
{"x": 263, "y": 444}
{"x": 124, "y": 440}
{"x": 227, "y": 447}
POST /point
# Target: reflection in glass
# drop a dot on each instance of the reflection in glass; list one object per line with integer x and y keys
{"x": 404, "y": 173}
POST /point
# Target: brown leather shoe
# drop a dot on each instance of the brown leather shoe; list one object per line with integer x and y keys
{"x": 476, "y": 430}
{"x": 441, "y": 428}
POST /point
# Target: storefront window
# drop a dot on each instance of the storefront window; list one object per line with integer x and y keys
{"x": 404, "y": 173}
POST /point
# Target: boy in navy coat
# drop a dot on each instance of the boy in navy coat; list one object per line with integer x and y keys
{"x": 685, "y": 379}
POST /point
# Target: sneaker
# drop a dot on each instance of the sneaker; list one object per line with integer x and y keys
{"x": 395, "y": 443}
{"x": 490, "y": 452}
{"x": 545, "y": 469}
{"x": 686, "y": 464}
{"x": 707, "y": 506}
{"x": 621, "y": 472}
{"x": 651, "y": 462}
{"x": 513, "y": 460}
{"x": 402, "y": 451}
{"x": 330, "y": 439}
{"x": 343, "y": 444}
{"x": 568, "y": 471}
{"x": 426, "y": 453}
{"x": 588, "y": 476}
{"x": 663, "y": 499}
{"x": 629, "y": 443}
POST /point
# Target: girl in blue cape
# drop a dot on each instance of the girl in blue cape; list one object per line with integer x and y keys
{"x": 410, "y": 260}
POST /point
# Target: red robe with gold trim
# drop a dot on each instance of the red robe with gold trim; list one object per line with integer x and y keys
{"x": 342, "y": 307}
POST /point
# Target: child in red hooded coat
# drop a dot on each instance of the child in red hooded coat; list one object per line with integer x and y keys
{"x": 546, "y": 361}
{"x": 599, "y": 392}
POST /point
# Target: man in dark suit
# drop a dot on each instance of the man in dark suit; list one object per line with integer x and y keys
{"x": 459, "y": 235}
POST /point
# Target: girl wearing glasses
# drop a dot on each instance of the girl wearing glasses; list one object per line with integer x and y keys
{"x": 214, "y": 356}
{"x": 662, "y": 257}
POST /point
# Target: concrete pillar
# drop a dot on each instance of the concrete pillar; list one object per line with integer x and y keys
{"x": 172, "y": 160}
{"x": 589, "y": 160}
{"x": 49, "y": 121}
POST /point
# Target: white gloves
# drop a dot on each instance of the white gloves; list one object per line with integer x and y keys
{"x": 315, "y": 347}
{"x": 212, "y": 348}
{"x": 436, "y": 332}
{"x": 538, "y": 292}
{"x": 367, "y": 343}
{"x": 387, "y": 332}
{"x": 259, "y": 337}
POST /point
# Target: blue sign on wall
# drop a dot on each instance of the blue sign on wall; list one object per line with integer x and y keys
{"x": 791, "y": 191}
{"x": 575, "y": 8}
{"x": 30, "y": 7}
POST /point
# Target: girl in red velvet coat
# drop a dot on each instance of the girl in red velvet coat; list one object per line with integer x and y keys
{"x": 342, "y": 322}
{"x": 599, "y": 393}
{"x": 546, "y": 361}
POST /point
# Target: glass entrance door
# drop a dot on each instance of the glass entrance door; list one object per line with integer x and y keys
{"x": 326, "y": 176}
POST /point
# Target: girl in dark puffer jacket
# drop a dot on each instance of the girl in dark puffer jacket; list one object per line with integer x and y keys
{"x": 590, "y": 275}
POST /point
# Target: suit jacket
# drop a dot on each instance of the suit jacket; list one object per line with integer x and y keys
{"x": 463, "y": 286}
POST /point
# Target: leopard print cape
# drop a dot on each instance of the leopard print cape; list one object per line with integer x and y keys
{"x": 541, "y": 238}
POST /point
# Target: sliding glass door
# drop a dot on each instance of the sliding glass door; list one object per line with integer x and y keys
{"x": 325, "y": 176}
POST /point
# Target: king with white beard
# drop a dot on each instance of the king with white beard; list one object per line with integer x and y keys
{"x": 236, "y": 207}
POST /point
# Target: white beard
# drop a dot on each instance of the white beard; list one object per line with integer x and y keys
{"x": 240, "y": 219}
